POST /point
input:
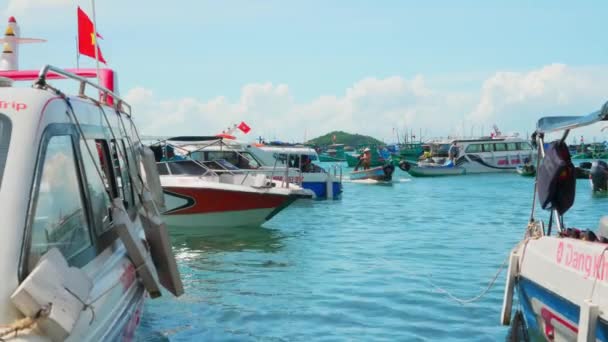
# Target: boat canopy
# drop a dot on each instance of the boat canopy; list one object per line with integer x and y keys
{"x": 560, "y": 123}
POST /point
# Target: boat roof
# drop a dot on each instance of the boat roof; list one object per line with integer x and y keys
{"x": 560, "y": 123}
{"x": 289, "y": 149}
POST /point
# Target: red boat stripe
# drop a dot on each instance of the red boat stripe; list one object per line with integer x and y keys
{"x": 203, "y": 201}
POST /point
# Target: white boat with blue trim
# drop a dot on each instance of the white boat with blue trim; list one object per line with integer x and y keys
{"x": 559, "y": 274}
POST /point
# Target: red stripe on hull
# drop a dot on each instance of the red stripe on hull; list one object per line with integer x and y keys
{"x": 215, "y": 200}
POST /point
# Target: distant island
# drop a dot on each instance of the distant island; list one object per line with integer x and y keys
{"x": 340, "y": 137}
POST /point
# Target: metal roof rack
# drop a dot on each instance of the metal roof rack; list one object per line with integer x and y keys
{"x": 561, "y": 123}
{"x": 106, "y": 96}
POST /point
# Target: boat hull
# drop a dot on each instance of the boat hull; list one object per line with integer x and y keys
{"x": 208, "y": 207}
{"x": 379, "y": 173}
{"x": 431, "y": 171}
{"x": 556, "y": 276}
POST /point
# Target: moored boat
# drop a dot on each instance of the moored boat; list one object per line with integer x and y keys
{"x": 561, "y": 278}
{"x": 216, "y": 193}
{"x": 598, "y": 175}
{"x": 431, "y": 169}
{"x": 82, "y": 240}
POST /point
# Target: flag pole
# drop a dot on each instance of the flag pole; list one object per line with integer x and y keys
{"x": 95, "y": 41}
{"x": 77, "y": 54}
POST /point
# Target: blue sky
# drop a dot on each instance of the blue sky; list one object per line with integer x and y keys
{"x": 291, "y": 66}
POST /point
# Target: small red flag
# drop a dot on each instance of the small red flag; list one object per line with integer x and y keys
{"x": 86, "y": 37}
{"x": 243, "y": 127}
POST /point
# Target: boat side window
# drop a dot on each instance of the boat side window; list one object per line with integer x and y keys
{"x": 162, "y": 168}
{"x": 58, "y": 215}
{"x": 512, "y": 147}
{"x": 249, "y": 160}
{"x": 524, "y": 146}
{"x": 473, "y": 148}
{"x": 500, "y": 147}
{"x": 488, "y": 147}
{"x": 5, "y": 139}
{"x": 98, "y": 188}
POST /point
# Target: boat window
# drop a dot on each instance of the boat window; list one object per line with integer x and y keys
{"x": 488, "y": 147}
{"x": 524, "y": 146}
{"x": 162, "y": 168}
{"x": 512, "y": 147}
{"x": 185, "y": 167}
{"x": 473, "y": 148}
{"x": 98, "y": 188}
{"x": 5, "y": 138}
{"x": 500, "y": 147}
{"x": 229, "y": 156}
{"x": 59, "y": 218}
{"x": 247, "y": 161}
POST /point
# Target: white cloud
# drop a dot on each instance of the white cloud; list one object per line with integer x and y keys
{"x": 23, "y": 7}
{"x": 512, "y": 100}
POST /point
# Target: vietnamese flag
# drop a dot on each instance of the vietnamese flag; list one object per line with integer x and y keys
{"x": 244, "y": 127}
{"x": 86, "y": 37}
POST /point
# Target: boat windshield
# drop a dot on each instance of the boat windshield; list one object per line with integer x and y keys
{"x": 5, "y": 139}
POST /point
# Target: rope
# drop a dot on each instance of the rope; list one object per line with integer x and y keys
{"x": 462, "y": 301}
{"x": 24, "y": 323}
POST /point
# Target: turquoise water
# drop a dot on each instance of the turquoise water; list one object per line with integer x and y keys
{"x": 368, "y": 267}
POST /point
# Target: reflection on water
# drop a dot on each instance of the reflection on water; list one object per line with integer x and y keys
{"x": 228, "y": 240}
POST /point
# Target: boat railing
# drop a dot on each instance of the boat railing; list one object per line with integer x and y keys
{"x": 106, "y": 95}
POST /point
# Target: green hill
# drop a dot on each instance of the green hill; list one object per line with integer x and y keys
{"x": 344, "y": 138}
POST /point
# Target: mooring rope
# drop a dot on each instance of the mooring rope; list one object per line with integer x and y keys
{"x": 24, "y": 323}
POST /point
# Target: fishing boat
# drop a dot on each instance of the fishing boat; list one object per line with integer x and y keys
{"x": 216, "y": 193}
{"x": 84, "y": 243}
{"x": 333, "y": 153}
{"x": 431, "y": 169}
{"x": 378, "y": 173}
{"x": 379, "y": 156}
{"x": 526, "y": 170}
{"x": 559, "y": 274}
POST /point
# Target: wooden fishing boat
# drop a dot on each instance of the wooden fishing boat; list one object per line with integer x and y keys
{"x": 431, "y": 169}
{"x": 378, "y": 173}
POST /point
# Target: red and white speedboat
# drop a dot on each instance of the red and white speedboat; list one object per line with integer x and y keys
{"x": 218, "y": 194}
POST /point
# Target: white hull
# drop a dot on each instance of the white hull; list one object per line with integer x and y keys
{"x": 238, "y": 218}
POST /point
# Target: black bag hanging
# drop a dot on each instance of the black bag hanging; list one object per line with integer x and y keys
{"x": 556, "y": 179}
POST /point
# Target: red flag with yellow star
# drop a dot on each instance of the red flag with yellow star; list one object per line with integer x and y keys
{"x": 86, "y": 37}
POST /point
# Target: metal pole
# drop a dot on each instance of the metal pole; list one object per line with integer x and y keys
{"x": 95, "y": 41}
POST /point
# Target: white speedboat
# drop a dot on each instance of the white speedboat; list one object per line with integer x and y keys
{"x": 83, "y": 243}
{"x": 293, "y": 164}
{"x": 561, "y": 279}
{"x": 215, "y": 193}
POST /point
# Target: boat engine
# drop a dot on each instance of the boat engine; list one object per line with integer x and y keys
{"x": 599, "y": 175}
{"x": 404, "y": 165}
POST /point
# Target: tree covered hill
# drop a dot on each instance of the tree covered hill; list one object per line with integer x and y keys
{"x": 344, "y": 138}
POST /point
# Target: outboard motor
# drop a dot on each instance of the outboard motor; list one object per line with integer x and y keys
{"x": 599, "y": 175}
{"x": 404, "y": 165}
{"x": 388, "y": 171}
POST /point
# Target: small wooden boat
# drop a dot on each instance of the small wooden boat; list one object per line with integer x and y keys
{"x": 379, "y": 173}
{"x": 526, "y": 170}
{"x": 430, "y": 169}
